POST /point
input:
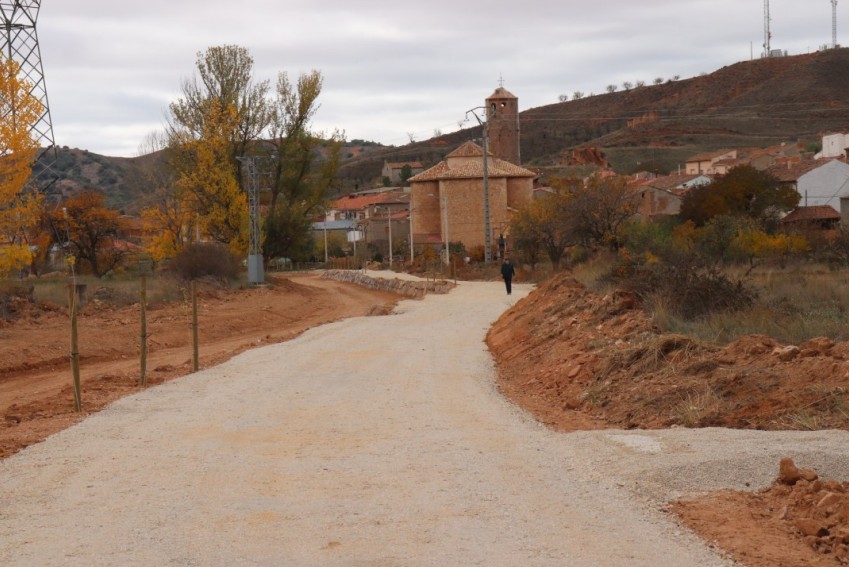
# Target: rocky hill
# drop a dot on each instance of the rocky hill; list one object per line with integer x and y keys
{"x": 753, "y": 103}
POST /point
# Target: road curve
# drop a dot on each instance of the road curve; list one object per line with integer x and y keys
{"x": 370, "y": 442}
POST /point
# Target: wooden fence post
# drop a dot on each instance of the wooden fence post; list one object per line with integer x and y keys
{"x": 143, "y": 337}
{"x": 75, "y": 351}
{"x": 195, "y": 349}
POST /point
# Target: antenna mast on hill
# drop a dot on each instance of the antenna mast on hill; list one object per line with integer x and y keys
{"x": 19, "y": 42}
{"x": 833, "y": 24}
{"x": 767, "y": 33}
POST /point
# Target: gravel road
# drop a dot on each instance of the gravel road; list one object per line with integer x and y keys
{"x": 371, "y": 442}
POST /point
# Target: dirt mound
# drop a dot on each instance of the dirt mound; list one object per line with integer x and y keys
{"x": 577, "y": 360}
{"x": 798, "y": 520}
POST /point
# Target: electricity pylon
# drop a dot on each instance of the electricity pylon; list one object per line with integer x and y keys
{"x": 19, "y": 41}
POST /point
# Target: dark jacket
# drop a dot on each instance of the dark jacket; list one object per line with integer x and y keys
{"x": 507, "y": 270}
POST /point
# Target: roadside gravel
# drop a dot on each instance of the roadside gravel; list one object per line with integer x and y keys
{"x": 371, "y": 442}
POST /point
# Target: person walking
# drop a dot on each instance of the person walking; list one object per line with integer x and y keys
{"x": 507, "y": 273}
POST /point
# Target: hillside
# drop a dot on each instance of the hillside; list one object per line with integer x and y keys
{"x": 752, "y": 103}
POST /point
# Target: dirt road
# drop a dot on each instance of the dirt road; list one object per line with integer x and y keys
{"x": 376, "y": 441}
{"x": 35, "y": 392}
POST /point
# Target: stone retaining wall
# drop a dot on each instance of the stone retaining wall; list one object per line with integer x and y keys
{"x": 407, "y": 288}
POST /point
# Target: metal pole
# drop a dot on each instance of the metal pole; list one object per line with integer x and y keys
{"x": 389, "y": 220}
{"x": 447, "y": 238}
{"x": 487, "y": 230}
{"x": 412, "y": 250}
{"x": 325, "y": 237}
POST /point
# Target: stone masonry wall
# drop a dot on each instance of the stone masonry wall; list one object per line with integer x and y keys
{"x": 407, "y": 288}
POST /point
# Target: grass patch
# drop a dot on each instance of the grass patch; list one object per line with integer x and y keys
{"x": 792, "y": 306}
{"x": 696, "y": 406}
{"x": 116, "y": 291}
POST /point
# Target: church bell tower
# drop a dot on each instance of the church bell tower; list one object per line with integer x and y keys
{"x": 502, "y": 116}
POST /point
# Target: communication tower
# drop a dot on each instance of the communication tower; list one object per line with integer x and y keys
{"x": 767, "y": 32}
{"x": 833, "y": 24}
{"x": 19, "y": 41}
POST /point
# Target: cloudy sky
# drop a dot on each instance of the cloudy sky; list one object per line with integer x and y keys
{"x": 392, "y": 68}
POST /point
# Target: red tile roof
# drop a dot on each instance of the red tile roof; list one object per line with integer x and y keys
{"x": 357, "y": 202}
{"x": 814, "y": 213}
{"x": 793, "y": 171}
{"x": 466, "y": 169}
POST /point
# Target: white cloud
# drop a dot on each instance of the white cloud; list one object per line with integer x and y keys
{"x": 390, "y": 68}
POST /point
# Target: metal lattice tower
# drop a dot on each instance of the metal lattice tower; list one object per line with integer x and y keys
{"x": 20, "y": 43}
{"x": 833, "y": 24}
{"x": 767, "y": 32}
{"x": 256, "y": 274}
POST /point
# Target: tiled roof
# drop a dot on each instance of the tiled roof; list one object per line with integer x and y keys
{"x": 814, "y": 213}
{"x": 708, "y": 156}
{"x": 473, "y": 170}
{"x": 793, "y": 171}
{"x": 401, "y": 164}
{"x": 453, "y": 168}
{"x": 360, "y": 202}
{"x": 469, "y": 149}
{"x": 501, "y": 92}
{"x": 672, "y": 181}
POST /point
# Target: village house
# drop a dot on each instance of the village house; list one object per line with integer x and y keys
{"x": 368, "y": 213}
{"x": 711, "y": 163}
{"x": 662, "y": 196}
{"x": 818, "y": 182}
{"x": 815, "y": 218}
{"x": 834, "y": 146}
{"x": 393, "y": 171}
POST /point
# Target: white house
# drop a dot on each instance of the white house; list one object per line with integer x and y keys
{"x": 824, "y": 185}
{"x": 834, "y": 145}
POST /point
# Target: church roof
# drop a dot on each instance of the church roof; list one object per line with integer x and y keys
{"x": 452, "y": 168}
{"x": 501, "y": 92}
{"x": 468, "y": 149}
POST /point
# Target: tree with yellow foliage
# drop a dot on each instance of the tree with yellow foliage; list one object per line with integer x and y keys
{"x": 205, "y": 183}
{"x": 19, "y": 209}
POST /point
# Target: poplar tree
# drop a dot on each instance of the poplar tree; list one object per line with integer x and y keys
{"x": 20, "y": 209}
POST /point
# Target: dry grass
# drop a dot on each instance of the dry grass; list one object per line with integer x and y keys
{"x": 793, "y": 306}
{"x": 696, "y": 406}
{"x": 119, "y": 292}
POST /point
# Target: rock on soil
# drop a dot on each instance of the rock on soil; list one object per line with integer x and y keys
{"x": 799, "y": 520}
{"x": 577, "y": 360}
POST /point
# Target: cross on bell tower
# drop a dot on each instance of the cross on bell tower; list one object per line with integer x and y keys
{"x": 19, "y": 41}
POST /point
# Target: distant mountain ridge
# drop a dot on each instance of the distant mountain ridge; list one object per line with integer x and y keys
{"x": 754, "y": 103}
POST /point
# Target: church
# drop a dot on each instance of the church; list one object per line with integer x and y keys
{"x": 447, "y": 200}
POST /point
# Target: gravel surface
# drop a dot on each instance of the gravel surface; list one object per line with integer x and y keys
{"x": 371, "y": 442}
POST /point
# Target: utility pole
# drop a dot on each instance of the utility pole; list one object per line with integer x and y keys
{"x": 487, "y": 229}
